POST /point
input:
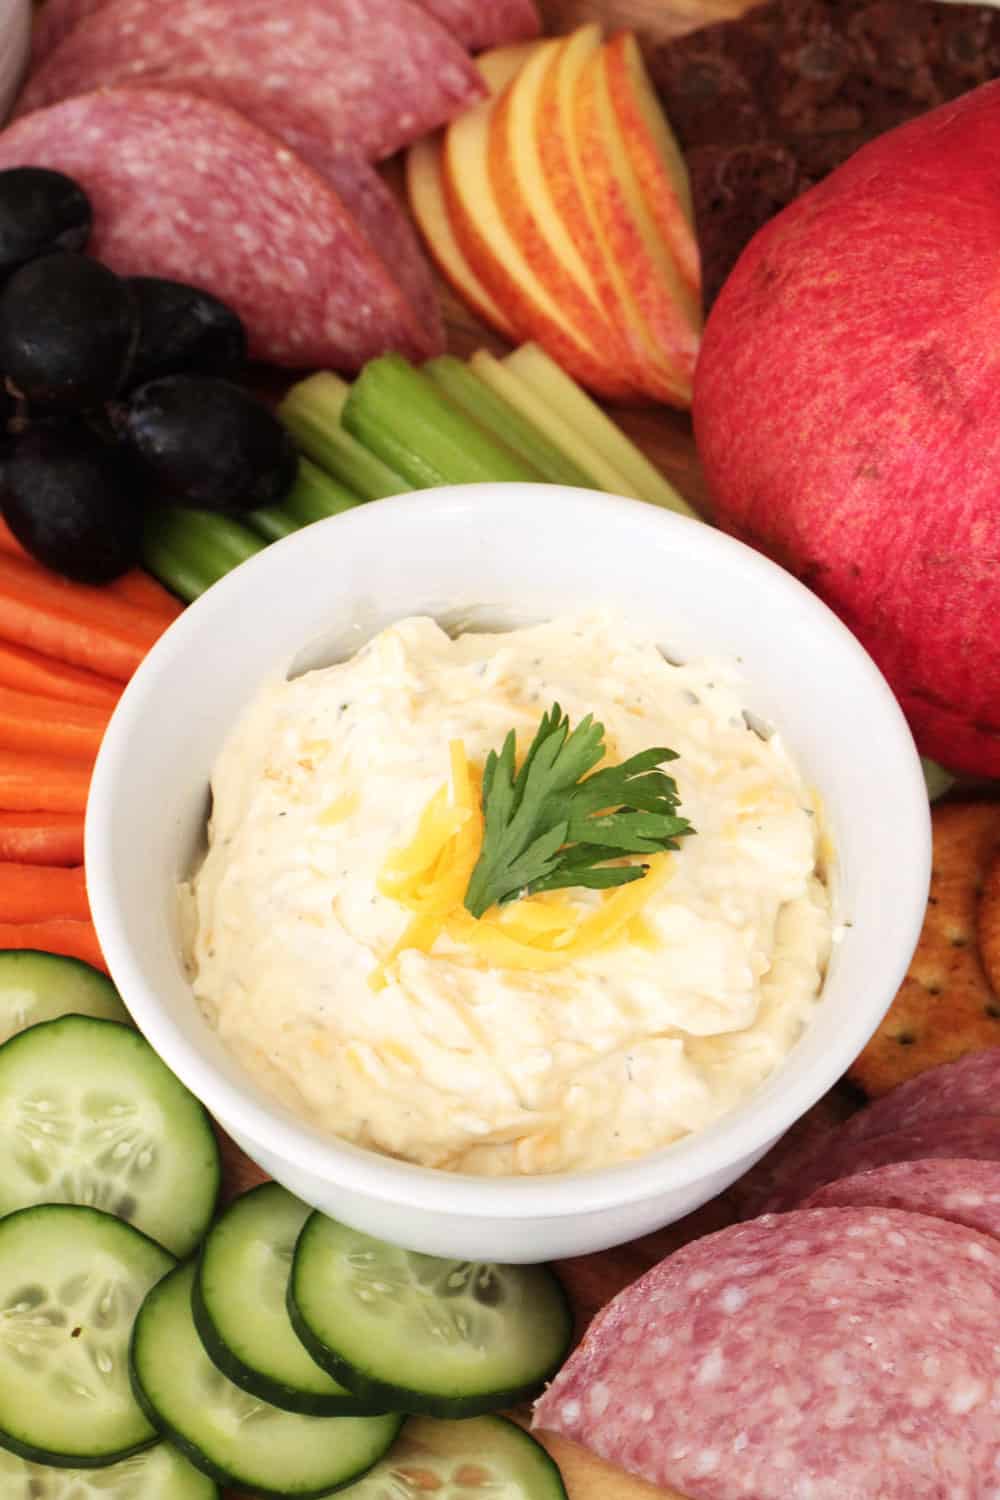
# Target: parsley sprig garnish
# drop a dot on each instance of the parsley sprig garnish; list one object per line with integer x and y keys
{"x": 551, "y": 825}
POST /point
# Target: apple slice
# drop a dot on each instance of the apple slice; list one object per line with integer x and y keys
{"x": 502, "y": 64}
{"x": 560, "y": 161}
{"x": 653, "y": 150}
{"x": 498, "y": 261}
{"x": 562, "y": 251}
{"x": 425, "y": 193}
{"x": 666, "y": 302}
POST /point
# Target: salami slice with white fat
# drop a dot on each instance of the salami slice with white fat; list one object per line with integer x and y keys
{"x": 487, "y": 23}
{"x": 975, "y": 1137}
{"x": 965, "y": 1192}
{"x": 829, "y": 1354}
{"x": 391, "y": 234}
{"x": 477, "y": 24}
{"x": 372, "y": 75}
{"x": 54, "y": 20}
{"x": 969, "y": 1086}
{"x": 185, "y": 188}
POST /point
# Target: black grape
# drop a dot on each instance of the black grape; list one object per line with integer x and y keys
{"x": 67, "y": 497}
{"x": 206, "y": 443}
{"x": 67, "y": 329}
{"x": 40, "y": 211}
{"x": 182, "y": 328}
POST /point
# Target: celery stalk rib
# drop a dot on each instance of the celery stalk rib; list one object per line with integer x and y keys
{"x": 550, "y": 384}
{"x": 312, "y": 411}
{"x": 491, "y": 411}
{"x": 189, "y": 550}
{"x": 313, "y": 497}
{"x": 403, "y": 417}
{"x": 601, "y": 474}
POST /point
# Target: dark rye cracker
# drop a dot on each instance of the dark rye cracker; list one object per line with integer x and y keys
{"x": 766, "y": 105}
{"x": 945, "y": 1006}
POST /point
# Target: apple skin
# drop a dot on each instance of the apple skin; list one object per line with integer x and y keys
{"x": 847, "y": 413}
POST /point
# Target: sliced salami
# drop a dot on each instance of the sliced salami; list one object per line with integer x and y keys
{"x": 391, "y": 234}
{"x": 185, "y": 188}
{"x": 487, "y": 23}
{"x": 371, "y": 75}
{"x": 965, "y": 1192}
{"x": 54, "y": 20}
{"x": 976, "y": 1137}
{"x": 969, "y": 1086}
{"x": 829, "y": 1354}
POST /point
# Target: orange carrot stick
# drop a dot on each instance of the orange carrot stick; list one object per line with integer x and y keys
{"x": 135, "y": 587}
{"x": 50, "y": 725}
{"x": 63, "y": 935}
{"x": 73, "y": 621}
{"x": 142, "y": 589}
{"x": 41, "y": 838}
{"x": 41, "y": 893}
{"x": 29, "y": 672}
{"x": 43, "y": 783}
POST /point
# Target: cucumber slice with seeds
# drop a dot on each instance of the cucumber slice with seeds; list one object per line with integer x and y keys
{"x": 159, "y": 1473}
{"x": 41, "y": 986}
{"x": 447, "y": 1338}
{"x": 89, "y": 1114}
{"x": 484, "y": 1456}
{"x": 240, "y": 1311}
{"x": 230, "y": 1435}
{"x": 71, "y": 1282}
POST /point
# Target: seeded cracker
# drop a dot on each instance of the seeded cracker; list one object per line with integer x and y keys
{"x": 945, "y": 1006}
{"x": 989, "y": 924}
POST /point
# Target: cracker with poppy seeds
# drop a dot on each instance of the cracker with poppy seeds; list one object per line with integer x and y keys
{"x": 989, "y": 924}
{"x": 946, "y": 1005}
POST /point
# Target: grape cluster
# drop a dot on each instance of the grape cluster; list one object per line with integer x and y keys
{"x": 115, "y": 391}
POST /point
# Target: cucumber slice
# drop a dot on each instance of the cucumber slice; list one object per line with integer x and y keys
{"x": 448, "y": 1338}
{"x": 89, "y": 1114}
{"x": 240, "y": 1310}
{"x": 159, "y": 1473}
{"x": 232, "y": 1436}
{"x": 41, "y": 986}
{"x": 71, "y": 1280}
{"x": 485, "y": 1456}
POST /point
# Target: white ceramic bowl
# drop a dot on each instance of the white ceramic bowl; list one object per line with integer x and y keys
{"x": 503, "y": 555}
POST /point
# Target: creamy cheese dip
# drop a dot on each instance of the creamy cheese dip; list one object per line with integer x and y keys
{"x": 439, "y": 1057}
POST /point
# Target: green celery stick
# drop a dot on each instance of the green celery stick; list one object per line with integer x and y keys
{"x": 400, "y": 414}
{"x": 491, "y": 411}
{"x": 559, "y": 392}
{"x": 311, "y": 411}
{"x": 189, "y": 550}
{"x": 313, "y": 497}
{"x": 272, "y": 523}
{"x": 601, "y": 474}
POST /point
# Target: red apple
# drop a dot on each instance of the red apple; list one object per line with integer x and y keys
{"x": 847, "y": 412}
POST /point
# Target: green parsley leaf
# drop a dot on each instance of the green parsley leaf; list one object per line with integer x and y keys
{"x": 550, "y": 825}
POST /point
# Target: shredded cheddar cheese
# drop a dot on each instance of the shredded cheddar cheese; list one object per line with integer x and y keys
{"x": 430, "y": 875}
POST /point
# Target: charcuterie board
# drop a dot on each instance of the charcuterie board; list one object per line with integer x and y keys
{"x": 666, "y": 437}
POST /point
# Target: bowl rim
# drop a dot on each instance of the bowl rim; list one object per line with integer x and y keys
{"x": 738, "y": 1135}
